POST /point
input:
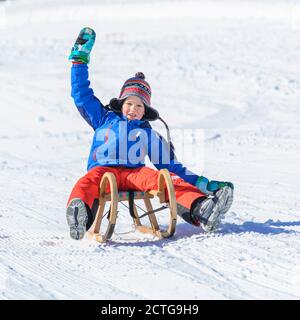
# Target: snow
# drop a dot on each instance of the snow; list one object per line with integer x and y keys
{"x": 229, "y": 69}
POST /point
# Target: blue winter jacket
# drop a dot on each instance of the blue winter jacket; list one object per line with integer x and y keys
{"x": 118, "y": 141}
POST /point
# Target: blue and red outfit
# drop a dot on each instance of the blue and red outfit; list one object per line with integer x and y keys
{"x": 114, "y": 144}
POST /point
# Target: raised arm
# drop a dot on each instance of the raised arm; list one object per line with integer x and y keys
{"x": 89, "y": 106}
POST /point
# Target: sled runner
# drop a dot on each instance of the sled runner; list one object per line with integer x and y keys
{"x": 165, "y": 189}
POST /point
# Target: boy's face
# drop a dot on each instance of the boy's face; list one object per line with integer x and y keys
{"x": 133, "y": 108}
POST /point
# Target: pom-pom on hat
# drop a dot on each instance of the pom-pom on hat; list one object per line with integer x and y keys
{"x": 136, "y": 86}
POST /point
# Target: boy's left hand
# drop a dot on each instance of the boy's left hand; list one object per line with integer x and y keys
{"x": 210, "y": 187}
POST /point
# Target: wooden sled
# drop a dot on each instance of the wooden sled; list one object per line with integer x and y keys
{"x": 164, "y": 185}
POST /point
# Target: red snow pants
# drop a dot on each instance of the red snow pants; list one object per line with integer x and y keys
{"x": 137, "y": 179}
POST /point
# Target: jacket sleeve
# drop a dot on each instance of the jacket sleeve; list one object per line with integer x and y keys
{"x": 162, "y": 155}
{"x": 89, "y": 106}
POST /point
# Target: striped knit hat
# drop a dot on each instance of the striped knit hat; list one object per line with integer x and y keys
{"x": 136, "y": 86}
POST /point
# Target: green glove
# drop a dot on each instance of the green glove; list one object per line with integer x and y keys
{"x": 210, "y": 187}
{"x": 83, "y": 46}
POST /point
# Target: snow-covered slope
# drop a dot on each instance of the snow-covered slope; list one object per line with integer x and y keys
{"x": 228, "y": 68}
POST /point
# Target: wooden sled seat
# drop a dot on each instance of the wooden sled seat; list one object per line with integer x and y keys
{"x": 165, "y": 190}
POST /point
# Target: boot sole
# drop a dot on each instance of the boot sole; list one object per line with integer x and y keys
{"x": 77, "y": 219}
{"x": 228, "y": 202}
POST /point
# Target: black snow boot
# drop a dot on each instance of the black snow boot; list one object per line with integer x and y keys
{"x": 208, "y": 212}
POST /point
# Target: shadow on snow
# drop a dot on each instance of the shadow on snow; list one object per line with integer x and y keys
{"x": 269, "y": 227}
{"x": 184, "y": 230}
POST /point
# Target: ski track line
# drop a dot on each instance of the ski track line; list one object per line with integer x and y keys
{"x": 27, "y": 212}
{"x": 52, "y": 277}
{"x": 31, "y": 240}
{"x": 229, "y": 261}
{"x": 141, "y": 269}
{"x": 237, "y": 273}
{"x": 271, "y": 281}
{"x": 203, "y": 271}
{"x": 215, "y": 277}
{"x": 70, "y": 284}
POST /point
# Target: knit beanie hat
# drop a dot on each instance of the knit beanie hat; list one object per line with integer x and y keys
{"x": 136, "y": 86}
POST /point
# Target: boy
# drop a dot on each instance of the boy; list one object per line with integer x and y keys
{"x": 123, "y": 138}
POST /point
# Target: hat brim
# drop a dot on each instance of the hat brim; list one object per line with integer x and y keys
{"x": 150, "y": 113}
